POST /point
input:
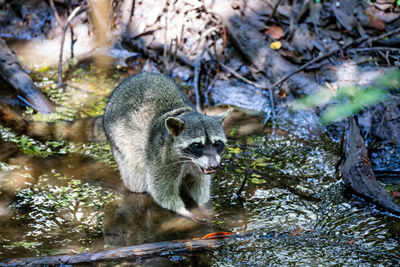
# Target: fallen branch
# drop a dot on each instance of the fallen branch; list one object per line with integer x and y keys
{"x": 211, "y": 241}
{"x": 330, "y": 53}
{"x": 13, "y": 72}
{"x": 356, "y": 171}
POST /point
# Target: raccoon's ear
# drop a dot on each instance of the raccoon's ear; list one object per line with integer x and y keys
{"x": 174, "y": 126}
{"x": 222, "y": 116}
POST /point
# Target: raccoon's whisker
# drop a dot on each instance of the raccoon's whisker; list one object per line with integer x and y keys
{"x": 182, "y": 161}
{"x": 198, "y": 167}
{"x": 224, "y": 150}
{"x": 187, "y": 158}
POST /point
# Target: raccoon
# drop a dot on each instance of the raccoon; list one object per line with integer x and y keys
{"x": 160, "y": 142}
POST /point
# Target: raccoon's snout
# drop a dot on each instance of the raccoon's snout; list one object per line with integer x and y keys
{"x": 211, "y": 166}
{"x": 209, "y": 170}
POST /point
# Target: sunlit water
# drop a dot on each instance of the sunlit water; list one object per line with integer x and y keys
{"x": 58, "y": 198}
{"x": 291, "y": 211}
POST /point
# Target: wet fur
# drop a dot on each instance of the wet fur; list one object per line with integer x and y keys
{"x": 146, "y": 152}
{"x": 83, "y": 130}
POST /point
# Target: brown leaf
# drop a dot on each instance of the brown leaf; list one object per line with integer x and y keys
{"x": 395, "y": 193}
{"x": 216, "y": 235}
{"x": 275, "y": 32}
{"x": 375, "y": 22}
{"x": 297, "y": 231}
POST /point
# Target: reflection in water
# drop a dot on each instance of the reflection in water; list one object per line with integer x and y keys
{"x": 137, "y": 219}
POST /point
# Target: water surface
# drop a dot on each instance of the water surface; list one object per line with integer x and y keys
{"x": 62, "y": 198}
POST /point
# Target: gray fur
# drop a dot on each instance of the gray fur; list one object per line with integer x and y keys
{"x": 149, "y": 121}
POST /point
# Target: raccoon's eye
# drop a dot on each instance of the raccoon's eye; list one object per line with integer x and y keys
{"x": 219, "y": 146}
{"x": 218, "y": 143}
{"x": 196, "y": 145}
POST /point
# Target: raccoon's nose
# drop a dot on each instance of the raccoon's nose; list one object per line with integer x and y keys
{"x": 213, "y": 164}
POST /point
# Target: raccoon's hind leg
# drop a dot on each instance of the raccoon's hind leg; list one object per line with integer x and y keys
{"x": 132, "y": 170}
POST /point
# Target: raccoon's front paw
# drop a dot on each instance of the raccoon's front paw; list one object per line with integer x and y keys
{"x": 204, "y": 211}
{"x": 187, "y": 214}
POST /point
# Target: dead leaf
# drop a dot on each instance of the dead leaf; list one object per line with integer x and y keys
{"x": 275, "y": 32}
{"x": 282, "y": 94}
{"x": 375, "y": 21}
{"x": 216, "y": 235}
{"x": 395, "y": 193}
{"x": 297, "y": 231}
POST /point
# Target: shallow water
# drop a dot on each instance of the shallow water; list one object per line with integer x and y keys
{"x": 59, "y": 198}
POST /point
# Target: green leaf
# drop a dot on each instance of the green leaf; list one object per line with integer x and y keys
{"x": 258, "y": 180}
{"x": 235, "y": 150}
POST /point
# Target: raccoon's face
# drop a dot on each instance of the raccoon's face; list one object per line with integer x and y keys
{"x": 199, "y": 138}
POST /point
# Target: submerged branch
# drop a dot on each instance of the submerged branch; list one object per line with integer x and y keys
{"x": 211, "y": 241}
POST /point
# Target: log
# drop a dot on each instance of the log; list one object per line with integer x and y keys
{"x": 356, "y": 171}
{"x": 125, "y": 253}
{"x": 255, "y": 48}
{"x": 13, "y": 72}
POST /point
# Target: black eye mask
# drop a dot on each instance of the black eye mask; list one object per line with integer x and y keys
{"x": 197, "y": 149}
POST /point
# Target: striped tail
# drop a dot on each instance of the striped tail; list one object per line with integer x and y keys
{"x": 80, "y": 131}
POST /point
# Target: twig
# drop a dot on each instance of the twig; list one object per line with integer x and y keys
{"x": 210, "y": 86}
{"x": 273, "y": 12}
{"x": 377, "y": 48}
{"x": 70, "y": 18}
{"x": 202, "y": 41}
{"x": 239, "y": 192}
{"x": 282, "y": 183}
{"x": 196, "y": 79}
{"x": 330, "y": 53}
{"x": 53, "y": 8}
{"x": 235, "y": 73}
{"x": 72, "y": 42}
{"x": 239, "y": 76}
{"x": 271, "y": 100}
{"x": 330, "y": 88}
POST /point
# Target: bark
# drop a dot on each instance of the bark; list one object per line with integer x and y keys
{"x": 12, "y": 71}
{"x": 356, "y": 171}
{"x": 125, "y": 17}
{"x": 124, "y": 253}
